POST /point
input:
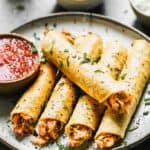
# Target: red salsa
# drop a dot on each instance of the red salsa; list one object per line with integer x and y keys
{"x": 16, "y": 58}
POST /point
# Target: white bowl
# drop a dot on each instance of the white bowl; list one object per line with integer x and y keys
{"x": 142, "y": 17}
{"x": 79, "y": 4}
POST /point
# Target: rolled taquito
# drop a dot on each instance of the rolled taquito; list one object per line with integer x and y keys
{"x": 77, "y": 67}
{"x": 113, "y": 59}
{"x": 57, "y": 112}
{"x": 87, "y": 75}
{"x": 83, "y": 121}
{"x": 134, "y": 76}
{"x": 31, "y": 103}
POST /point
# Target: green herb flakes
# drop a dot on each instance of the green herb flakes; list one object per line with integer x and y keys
{"x": 124, "y": 143}
{"x": 85, "y": 59}
{"x": 85, "y": 55}
{"x": 67, "y": 109}
{"x": 133, "y": 129}
{"x": 108, "y": 65}
{"x": 52, "y": 47}
{"x": 148, "y": 92}
{"x": 67, "y": 61}
{"x": 60, "y": 64}
{"x": 54, "y": 24}
{"x": 36, "y": 37}
{"x": 96, "y": 60}
{"x": 43, "y": 59}
{"x": 98, "y": 71}
{"x": 122, "y": 77}
{"x": 61, "y": 84}
{"x": 62, "y": 147}
{"x": 20, "y": 7}
{"x": 33, "y": 48}
{"x": 66, "y": 50}
{"x": 51, "y": 50}
{"x": 46, "y": 25}
{"x": 147, "y": 99}
{"x": 8, "y": 121}
{"x": 147, "y": 103}
{"x": 145, "y": 113}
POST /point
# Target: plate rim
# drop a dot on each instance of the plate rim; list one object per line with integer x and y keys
{"x": 86, "y": 14}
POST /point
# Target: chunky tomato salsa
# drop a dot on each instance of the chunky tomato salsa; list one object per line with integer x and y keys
{"x": 16, "y": 58}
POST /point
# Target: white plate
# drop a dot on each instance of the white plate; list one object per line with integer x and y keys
{"x": 78, "y": 23}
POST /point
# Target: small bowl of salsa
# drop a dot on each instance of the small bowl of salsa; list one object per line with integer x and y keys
{"x": 19, "y": 64}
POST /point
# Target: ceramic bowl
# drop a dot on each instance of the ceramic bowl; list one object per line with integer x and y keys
{"x": 79, "y": 4}
{"x": 142, "y": 17}
{"x": 13, "y": 86}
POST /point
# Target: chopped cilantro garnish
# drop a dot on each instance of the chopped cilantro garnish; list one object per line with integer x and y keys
{"x": 20, "y": 7}
{"x": 36, "y": 37}
{"x": 54, "y": 24}
{"x": 60, "y": 64}
{"x": 122, "y": 77}
{"x": 96, "y": 60}
{"x": 42, "y": 59}
{"x": 147, "y": 103}
{"x": 61, "y": 146}
{"x": 66, "y": 50}
{"x": 124, "y": 143}
{"x": 51, "y": 50}
{"x": 98, "y": 71}
{"x": 148, "y": 92}
{"x": 145, "y": 113}
{"x": 147, "y": 99}
{"x": 61, "y": 84}
{"x": 132, "y": 129}
{"x": 33, "y": 48}
{"x": 46, "y": 25}
{"x": 67, "y": 61}
{"x": 85, "y": 61}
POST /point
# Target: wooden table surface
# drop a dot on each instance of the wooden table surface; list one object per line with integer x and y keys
{"x": 16, "y": 12}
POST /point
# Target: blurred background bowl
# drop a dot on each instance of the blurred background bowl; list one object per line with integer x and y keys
{"x": 141, "y": 15}
{"x": 79, "y": 4}
{"x": 14, "y": 86}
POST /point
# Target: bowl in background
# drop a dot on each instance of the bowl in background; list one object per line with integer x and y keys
{"x": 79, "y": 4}
{"x": 141, "y": 15}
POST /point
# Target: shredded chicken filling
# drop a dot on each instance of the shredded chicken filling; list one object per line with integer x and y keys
{"x": 106, "y": 140}
{"x": 78, "y": 134}
{"x": 47, "y": 130}
{"x": 119, "y": 101}
{"x": 22, "y": 124}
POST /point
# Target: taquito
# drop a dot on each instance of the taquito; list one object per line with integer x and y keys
{"x": 134, "y": 76}
{"x": 57, "y": 112}
{"x": 78, "y": 68}
{"x": 31, "y": 103}
{"x": 83, "y": 121}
